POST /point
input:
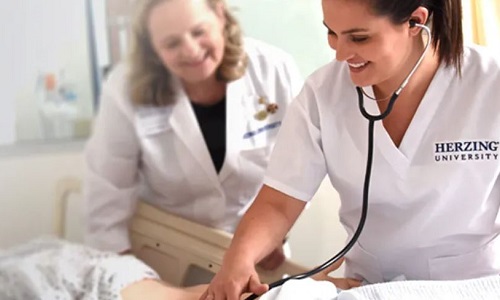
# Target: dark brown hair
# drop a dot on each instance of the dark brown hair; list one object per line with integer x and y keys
{"x": 445, "y": 19}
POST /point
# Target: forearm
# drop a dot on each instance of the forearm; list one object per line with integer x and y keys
{"x": 156, "y": 290}
{"x": 264, "y": 226}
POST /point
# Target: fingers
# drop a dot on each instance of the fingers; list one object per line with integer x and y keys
{"x": 323, "y": 275}
{"x": 204, "y": 295}
{"x": 256, "y": 287}
{"x": 345, "y": 283}
{"x": 353, "y": 282}
{"x": 232, "y": 281}
{"x": 232, "y": 290}
{"x": 230, "y": 295}
{"x": 333, "y": 267}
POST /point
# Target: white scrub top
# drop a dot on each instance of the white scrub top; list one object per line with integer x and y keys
{"x": 160, "y": 155}
{"x": 434, "y": 201}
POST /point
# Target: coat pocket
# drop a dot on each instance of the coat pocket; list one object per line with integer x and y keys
{"x": 363, "y": 265}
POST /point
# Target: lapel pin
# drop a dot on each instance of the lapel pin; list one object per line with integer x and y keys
{"x": 270, "y": 108}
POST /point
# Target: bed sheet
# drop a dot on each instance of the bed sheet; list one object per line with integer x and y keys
{"x": 485, "y": 288}
{"x": 50, "y": 268}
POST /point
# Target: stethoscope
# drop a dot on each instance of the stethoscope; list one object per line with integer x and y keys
{"x": 366, "y": 186}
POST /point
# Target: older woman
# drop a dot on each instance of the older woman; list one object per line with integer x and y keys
{"x": 187, "y": 123}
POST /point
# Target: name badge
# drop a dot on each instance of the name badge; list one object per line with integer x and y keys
{"x": 151, "y": 121}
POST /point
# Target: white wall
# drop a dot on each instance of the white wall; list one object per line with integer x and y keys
{"x": 8, "y": 70}
{"x": 295, "y": 26}
{"x": 27, "y": 192}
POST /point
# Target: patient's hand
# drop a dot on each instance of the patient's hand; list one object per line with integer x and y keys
{"x": 126, "y": 252}
{"x": 273, "y": 260}
{"x": 341, "y": 283}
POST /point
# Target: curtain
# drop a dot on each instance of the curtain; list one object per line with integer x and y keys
{"x": 482, "y": 22}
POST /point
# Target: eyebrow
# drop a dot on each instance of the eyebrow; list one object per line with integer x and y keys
{"x": 352, "y": 30}
{"x": 171, "y": 37}
{"x": 168, "y": 40}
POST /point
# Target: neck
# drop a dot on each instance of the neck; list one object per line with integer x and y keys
{"x": 420, "y": 80}
{"x": 207, "y": 92}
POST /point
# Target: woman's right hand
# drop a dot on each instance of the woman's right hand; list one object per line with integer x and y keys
{"x": 233, "y": 280}
{"x": 252, "y": 240}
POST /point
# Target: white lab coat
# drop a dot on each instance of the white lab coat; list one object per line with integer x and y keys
{"x": 434, "y": 200}
{"x": 159, "y": 154}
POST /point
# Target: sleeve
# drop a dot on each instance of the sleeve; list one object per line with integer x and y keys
{"x": 111, "y": 179}
{"x": 293, "y": 76}
{"x": 297, "y": 165}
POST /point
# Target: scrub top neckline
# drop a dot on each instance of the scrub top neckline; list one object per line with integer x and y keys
{"x": 402, "y": 156}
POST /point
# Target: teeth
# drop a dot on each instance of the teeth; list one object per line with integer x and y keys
{"x": 358, "y": 65}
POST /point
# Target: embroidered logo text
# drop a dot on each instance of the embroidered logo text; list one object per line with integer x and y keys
{"x": 466, "y": 150}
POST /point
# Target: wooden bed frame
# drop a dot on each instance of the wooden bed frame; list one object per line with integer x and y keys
{"x": 180, "y": 251}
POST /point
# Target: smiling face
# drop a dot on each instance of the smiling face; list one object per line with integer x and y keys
{"x": 187, "y": 36}
{"x": 376, "y": 49}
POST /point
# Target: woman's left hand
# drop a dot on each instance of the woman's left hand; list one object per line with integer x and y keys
{"x": 273, "y": 260}
{"x": 341, "y": 283}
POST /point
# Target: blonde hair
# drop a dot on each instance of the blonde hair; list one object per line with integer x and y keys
{"x": 151, "y": 81}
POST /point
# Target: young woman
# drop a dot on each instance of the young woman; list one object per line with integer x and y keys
{"x": 434, "y": 196}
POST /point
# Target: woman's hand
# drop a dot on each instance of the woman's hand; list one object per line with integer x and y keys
{"x": 252, "y": 240}
{"x": 126, "y": 252}
{"x": 233, "y": 280}
{"x": 341, "y": 283}
{"x": 273, "y": 260}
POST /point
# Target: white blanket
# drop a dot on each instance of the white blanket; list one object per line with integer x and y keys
{"x": 304, "y": 289}
{"x": 486, "y": 288}
{"x": 52, "y": 269}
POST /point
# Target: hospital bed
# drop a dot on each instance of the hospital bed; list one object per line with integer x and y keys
{"x": 182, "y": 252}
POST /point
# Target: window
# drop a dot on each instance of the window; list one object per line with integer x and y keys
{"x": 59, "y": 52}
{"x": 482, "y": 22}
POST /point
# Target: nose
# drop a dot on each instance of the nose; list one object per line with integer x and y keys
{"x": 191, "y": 48}
{"x": 342, "y": 51}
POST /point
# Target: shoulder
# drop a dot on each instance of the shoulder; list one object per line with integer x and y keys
{"x": 116, "y": 87}
{"x": 480, "y": 62}
{"x": 327, "y": 87}
{"x": 118, "y": 77}
{"x": 330, "y": 78}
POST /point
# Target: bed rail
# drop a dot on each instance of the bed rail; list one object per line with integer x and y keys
{"x": 183, "y": 253}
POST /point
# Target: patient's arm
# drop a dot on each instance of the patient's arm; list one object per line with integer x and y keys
{"x": 157, "y": 290}
{"x": 151, "y": 289}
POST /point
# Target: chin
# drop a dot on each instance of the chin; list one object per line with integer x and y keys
{"x": 198, "y": 77}
{"x": 361, "y": 82}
